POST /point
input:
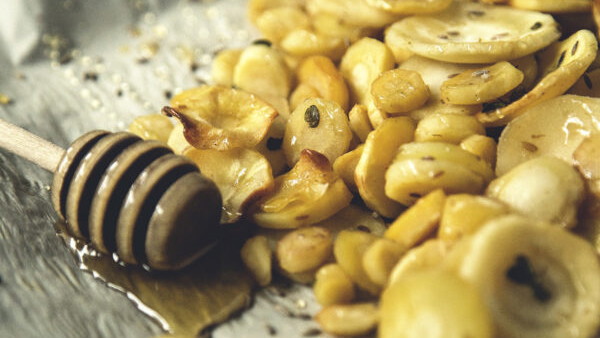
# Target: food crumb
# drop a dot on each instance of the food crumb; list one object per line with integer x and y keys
{"x": 4, "y": 99}
{"x": 90, "y": 76}
{"x": 311, "y": 332}
{"x": 272, "y": 330}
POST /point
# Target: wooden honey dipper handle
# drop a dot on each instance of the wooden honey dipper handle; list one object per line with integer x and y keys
{"x": 29, "y": 146}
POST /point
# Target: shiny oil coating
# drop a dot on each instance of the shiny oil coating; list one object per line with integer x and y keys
{"x": 113, "y": 188}
{"x": 181, "y": 229}
{"x": 67, "y": 166}
{"x": 141, "y": 201}
{"x": 87, "y": 176}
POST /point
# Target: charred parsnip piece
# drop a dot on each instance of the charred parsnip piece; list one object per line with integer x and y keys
{"x": 307, "y": 194}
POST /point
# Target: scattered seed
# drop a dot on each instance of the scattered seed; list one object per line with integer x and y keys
{"x": 274, "y": 143}
{"x": 530, "y": 147}
{"x": 453, "y": 75}
{"x": 587, "y": 81}
{"x": 304, "y": 316}
{"x": 536, "y": 136}
{"x": 363, "y": 228}
{"x": 90, "y": 76}
{"x": 522, "y": 273}
{"x": 453, "y": 33}
{"x": 168, "y": 94}
{"x": 476, "y": 14}
{"x": 120, "y": 92}
{"x": 312, "y": 116}
{"x": 443, "y": 37}
{"x": 142, "y": 60}
{"x": 574, "y": 49}
{"x": 428, "y": 158}
{"x": 415, "y": 195}
{"x": 561, "y": 58}
{"x": 271, "y": 329}
{"x": 262, "y": 42}
{"x": 536, "y": 26}
{"x": 193, "y": 67}
{"x": 438, "y": 174}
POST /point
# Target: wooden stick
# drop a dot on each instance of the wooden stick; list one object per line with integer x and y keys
{"x": 29, "y": 146}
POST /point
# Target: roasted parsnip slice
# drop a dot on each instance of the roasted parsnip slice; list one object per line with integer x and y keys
{"x": 450, "y": 128}
{"x": 349, "y": 248}
{"x": 537, "y": 133}
{"x": 434, "y": 73}
{"x": 275, "y": 23}
{"x": 261, "y": 70}
{"x": 399, "y": 91}
{"x": 152, "y": 127}
{"x": 482, "y": 84}
{"x": 302, "y": 42}
{"x": 320, "y": 73}
{"x": 407, "y": 7}
{"x": 553, "y": 6}
{"x": 345, "y": 166}
{"x": 258, "y": 7}
{"x": 561, "y": 64}
{"x": 359, "y": 13}
{"x": 217, "y": 117}
{"x": 242, "y": 175}
{"x": 378, "y": 153}
{"x": 421, "y": 167}
{"x": 468, "y": 32}
{"x": 359, "y": 121}
{"x": 310, "y": 192}
{"x": 223, "y": 66}
{"x": 363, "y": 62}
{"x": 320, "y": 125}
{"x": 544, "y": 188}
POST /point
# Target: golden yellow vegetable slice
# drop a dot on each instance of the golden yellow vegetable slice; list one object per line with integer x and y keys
{"x": 275, "y": 23}
{"x": 345, "y": 166}
{"x": 242, "y": 175}
{"x": 320, "y": 125}
{"x": 361, "y": 65}
{"x": 399, "y": 91}
{"x": 258, "y": 7}
{"x": 429, "y": 255}
{"x": 378, "y": 153}
{"x": 302, "y": 42}
{"x": 422, "y": 167}
{"x": 464, "y": 214}
{"x": 304, "y": 249}
{"x": 320, "y": 73}
{"x": 475, "y": 33}
{"x": 537, "y": 133}
{"x": 257, "y": 258}
{"x": 434, "y": 304}
{"x": 359, "y": 121}
{"x": 419, "y": 221}
{"x": 331, "y": 25}
{"x": 380, "y": 258}
{"x": 358, "y": 13}
{"x": 407, "y": 7}
{"x": 333, "y": 285}
{"x": 216, "y": 117}
{"x": 481, "y": 85}
{"x": 348, "y": 319}
{"x": 223, "y": 66}
{"x": 152, "y": 127}
{"x": 587, "y": 160}
{"x": 349, "y": 248}
{"x": 553, "y": 6}
{"x": 561, "y": 65}
{"x": 434, "y": 73}
{"x": 483, "y": 146}
{"x": 261, "y": 70}
{"x": 309, "y": 193}
{"x": 449, "y": 128}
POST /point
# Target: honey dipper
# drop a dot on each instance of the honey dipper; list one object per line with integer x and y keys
{"x": 126, "y": 195}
